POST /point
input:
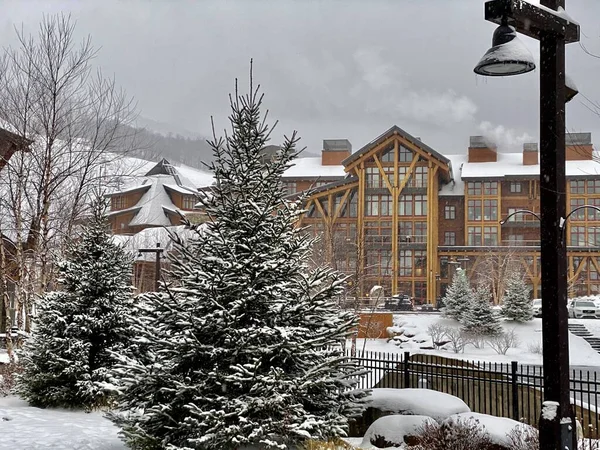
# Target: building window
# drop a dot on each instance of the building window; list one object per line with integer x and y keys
{"x": 372, "y": 208}
{"x": 449, "y": 238}
{"x": 388, "y": 155}
{"x": 449, "y": 212}
{"x": 420, "y": 178}
{"x": 420, "y": 262}
{"x": 516, "y": 217}
{"x": 578, "y": 236}
{"x": 405, "y": 263}
{"x": 516, "y": 239}
{"x": 474, "y": 187}
{"x": 405, "y": 231}
{"x": 474, "y": 210}
{"x": 474, "y": 236}
{"x": 189, "y": 201}
{"x": 118, "y": 202}
{"x": 593, "y": 186}
{"x": 577, "y": 215}
{"x": 490, "y": 210}
{"x": 592, "y": 213}
{"x": 290, "y": 187}
{"x": 593, "y": 236}
{"x": 490, "y": 236}
{"x": 405, "y": 155}
{"x": 373, "y": 177}
{"x": 322, "y": 183}
{"x": 379, "y": 205}
{"x": 420, "y": 205}
{"x": 405, "y": 205}
{"x": 577, "y": 186}
{"x": 420, "y": 232}
{"x": 516, "y": 187}
{"x": 490, "y": 188}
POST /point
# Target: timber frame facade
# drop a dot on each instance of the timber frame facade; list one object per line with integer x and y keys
{"x": 405, "y": 216}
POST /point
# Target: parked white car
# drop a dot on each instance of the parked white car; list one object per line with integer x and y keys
{"x": 536, "y": 307}
{"x": 580, "y": 309}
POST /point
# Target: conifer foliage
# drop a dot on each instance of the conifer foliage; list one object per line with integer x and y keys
{"x": 479, "y": 318}
{"x": 66, "y": 359}
{"x": 245, "y": 346}
{"x": 517, "y": 305}
{"x": 458, "y": 296}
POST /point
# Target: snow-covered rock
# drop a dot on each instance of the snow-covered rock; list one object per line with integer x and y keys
{"x": 391, "y": 430}
{"x": 426, "y": 402}
{"x": 498, "y": 428}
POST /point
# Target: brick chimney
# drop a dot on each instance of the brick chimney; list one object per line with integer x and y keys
{"x": 579, "y": 146}
{"x": 335, "y": 151}
{"x": 530, "y": 154}
{"x": 481, "y": 150}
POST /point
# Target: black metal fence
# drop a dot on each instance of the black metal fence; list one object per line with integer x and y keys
{"x": 501, "y": 389}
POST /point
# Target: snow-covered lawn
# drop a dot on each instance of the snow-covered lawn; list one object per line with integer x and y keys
{"x": 23, "y": 427}
{"x": 528, "y": 350}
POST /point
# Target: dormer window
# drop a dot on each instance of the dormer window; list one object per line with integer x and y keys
{"x": 118, "y": 202}
{"x": 189, "y": 201}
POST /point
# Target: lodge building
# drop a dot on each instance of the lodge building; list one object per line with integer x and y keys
{"x": 399, "y": 214}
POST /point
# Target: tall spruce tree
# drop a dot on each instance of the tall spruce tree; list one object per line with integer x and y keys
{"x": 245, "y": 347}
{"x": 458, "y": 296}
{"x": 66, "y": 359}
{"x": 479, "y": 318}
{"x": 517, "y": 304}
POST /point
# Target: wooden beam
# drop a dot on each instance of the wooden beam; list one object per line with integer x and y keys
{"x": 383, "y": 174}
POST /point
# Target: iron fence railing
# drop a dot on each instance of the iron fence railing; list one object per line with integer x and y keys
{"x": 502, "y": 389}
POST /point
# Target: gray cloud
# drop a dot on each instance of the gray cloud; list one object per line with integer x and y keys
{"x": 329, "y": 68}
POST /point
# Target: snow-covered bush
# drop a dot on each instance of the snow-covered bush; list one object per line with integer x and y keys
{"x": 67, "y": 358}
{"x": 245, "y": 348}
{"x": 458, "y": 296}
{"x": 457, "y": 339}
{"x": 437, "y": 332}
{"x": 524, "y": 438}
{"x": 500, "y": 343}
{"x": 457, "y": 434}
{"x": 517, "y": 305}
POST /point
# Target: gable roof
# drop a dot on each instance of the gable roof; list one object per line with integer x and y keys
{"x": 394, "y": 130}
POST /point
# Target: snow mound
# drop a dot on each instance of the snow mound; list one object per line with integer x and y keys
{"x": 420, "y": 402}
{"x": 393, "y": 429}
{"x": 498, "y": 428}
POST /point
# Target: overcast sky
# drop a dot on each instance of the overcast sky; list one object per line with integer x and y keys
{"x": 329, "y": 69}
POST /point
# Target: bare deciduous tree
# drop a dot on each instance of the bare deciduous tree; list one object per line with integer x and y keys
{"x": 50, "y": 93}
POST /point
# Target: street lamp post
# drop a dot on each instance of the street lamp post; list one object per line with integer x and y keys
{"x": 158, "y": 252}
{"x": 550, "y": 25}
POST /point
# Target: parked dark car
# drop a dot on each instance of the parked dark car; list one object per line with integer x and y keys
{"x": 399, "y": 302}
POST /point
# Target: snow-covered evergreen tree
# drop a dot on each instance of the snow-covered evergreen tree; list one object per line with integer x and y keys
{"x": 458, "y": 296}
{"x": 479, "y": 317}
{"x": 245, "y": 347}
{"x": 67, "y": 357}
{"x": 517, "y": 305}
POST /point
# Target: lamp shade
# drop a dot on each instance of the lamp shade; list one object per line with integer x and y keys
{"x": 508, "y": 55}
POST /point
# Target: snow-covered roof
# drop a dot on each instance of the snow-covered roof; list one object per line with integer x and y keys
{"x": 511, "y": 165}
{"x": 312, "y": 168}
{"x": 151, "y": 212}
{"x": 508, "y": 165}
{"x": 148, "y": 238}
{"x": 197, "y": 177}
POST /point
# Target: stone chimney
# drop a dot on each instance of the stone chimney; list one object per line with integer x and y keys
{"x": 579, "y": 146}
{"x": 481, "y": 150}
{"x": 335, "y": 151}
{"x": 530, "y": 154}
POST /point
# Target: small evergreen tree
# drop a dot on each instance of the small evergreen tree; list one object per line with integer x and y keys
{"x": 479, "y": 318}
{"x": 458, "y": 296}
{"x": 66, "y": 358}
{"x": 245, "y": 347}
{"x": 517, "y": 305}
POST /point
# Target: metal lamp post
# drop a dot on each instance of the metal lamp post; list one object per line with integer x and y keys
{"x": 551, "y": 26}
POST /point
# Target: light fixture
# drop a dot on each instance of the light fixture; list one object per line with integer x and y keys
{"x": 508, "y": 55}
{"x": 570, "y": 89}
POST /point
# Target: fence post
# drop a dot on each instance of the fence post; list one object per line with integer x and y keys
{"x": 515, "y": 390}
{"x": 406, "y": 369}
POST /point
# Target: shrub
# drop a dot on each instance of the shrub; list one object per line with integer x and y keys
{"x": 453, "y": 435}
{"x": 502, "y": 342}
{"x": 524, "y": 438}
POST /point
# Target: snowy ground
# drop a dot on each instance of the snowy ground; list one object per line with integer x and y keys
{"x": 23, "y": 427}
{"x": 527, "y": 352}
